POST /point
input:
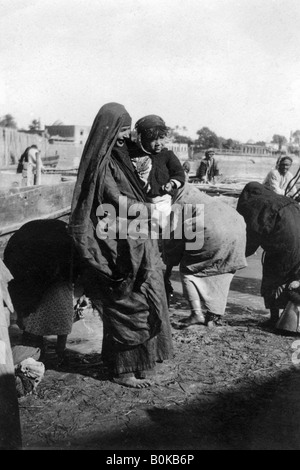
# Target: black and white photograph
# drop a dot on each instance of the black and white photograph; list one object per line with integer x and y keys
{"x": 149, "y": 227}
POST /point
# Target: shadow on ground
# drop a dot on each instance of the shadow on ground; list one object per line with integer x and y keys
{"x": 255, "y": 417}
{"x": 234, "y": 387}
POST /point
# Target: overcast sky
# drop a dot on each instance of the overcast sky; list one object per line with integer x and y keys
{"x": 230, "y": 65}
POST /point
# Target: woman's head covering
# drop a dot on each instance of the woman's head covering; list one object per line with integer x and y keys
{"x": 273, "y": 222}
{"x": 260, "y": 205}
{"x": 38, "y": 256}
{"x": 102, "y": 137}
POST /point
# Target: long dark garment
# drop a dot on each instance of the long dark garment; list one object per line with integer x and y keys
{"x": 41, "y": 258}
{"x": 273, "y": 222}
{"x": 123, "y": 277}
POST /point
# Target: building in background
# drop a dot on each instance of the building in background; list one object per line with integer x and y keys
{"x": 60, "y": 146}
{"x": 180, "y": 150}
{"x": 66, "y": 144}
{"x": 76, "y": 134}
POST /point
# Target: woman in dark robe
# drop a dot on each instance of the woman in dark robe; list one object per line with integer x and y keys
{"x": 273, "y": 222}
{"x": 123, "y": 274}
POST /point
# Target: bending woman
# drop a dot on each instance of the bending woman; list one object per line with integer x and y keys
{"x": 39, "y": 257}
{"x": 273, "y": 222}
{"x": 209, "y": 252}
{"x": 123, "y": 274}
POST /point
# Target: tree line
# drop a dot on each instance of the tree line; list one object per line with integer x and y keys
{"x": 9, "y": 121}
{"x": 205, "y": 139}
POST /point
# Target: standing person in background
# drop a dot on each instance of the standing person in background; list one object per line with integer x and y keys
{"x": 23, "y": 158}
{"x": 279, "y": 178}
{"x": 123, "y": 275}
{"x": 208, "y": 168}
{"x": 29, "y": 164}
{"x": 30, "y": 155}
{"x": 33, "y": 155}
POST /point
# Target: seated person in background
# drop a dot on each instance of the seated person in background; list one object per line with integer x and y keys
{"x": 187, "y": 168}
{"x": 208, "y": 168}
{"x": 159, "y": 169}
{"x": 279, "y": 179}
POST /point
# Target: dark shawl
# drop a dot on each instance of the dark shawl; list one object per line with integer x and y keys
{"x": 273, "y": 222}
{"x": 96, "y": 152}
{"x": 38, "y": 255}
{"x": 90, "y": 185}
{"x": 123, "y": 276}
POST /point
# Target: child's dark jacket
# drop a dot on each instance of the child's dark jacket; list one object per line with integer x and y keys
{"x": 165, "y": 166}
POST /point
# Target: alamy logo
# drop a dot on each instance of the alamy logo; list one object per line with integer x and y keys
{"x": 179, "y": 222}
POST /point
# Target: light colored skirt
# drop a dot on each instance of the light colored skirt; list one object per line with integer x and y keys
{"x": 212, "y": 291}
{"x": 54, "y": 315}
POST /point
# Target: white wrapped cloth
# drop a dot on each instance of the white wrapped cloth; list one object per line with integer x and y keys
{"x": 30, "y": 373}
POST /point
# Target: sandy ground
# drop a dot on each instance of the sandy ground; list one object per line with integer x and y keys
{"x": 232, "y": 387}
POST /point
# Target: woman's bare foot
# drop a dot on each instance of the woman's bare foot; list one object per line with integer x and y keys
{"x": 161, "y": 373}
{"x": 130, "y": 380}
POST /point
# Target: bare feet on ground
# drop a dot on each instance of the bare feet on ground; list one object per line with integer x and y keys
{"x": 129, "y": 380}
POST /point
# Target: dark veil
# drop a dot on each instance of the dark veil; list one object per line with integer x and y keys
{"x": 97, "y": 151}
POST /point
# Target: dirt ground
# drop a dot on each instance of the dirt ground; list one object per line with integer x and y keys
{"x": 232, "y": 387}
